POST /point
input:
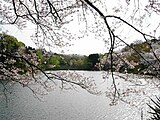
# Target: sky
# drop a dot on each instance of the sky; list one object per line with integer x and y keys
{"x": 84, "y": 46}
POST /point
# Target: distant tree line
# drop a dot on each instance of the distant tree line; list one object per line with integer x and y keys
{"x": 53, "y": 61}
{"x": 44, "y": 60}
{"x": 135, "y": 58}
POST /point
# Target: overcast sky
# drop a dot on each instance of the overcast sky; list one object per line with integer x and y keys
{"x": 85, "y": 46}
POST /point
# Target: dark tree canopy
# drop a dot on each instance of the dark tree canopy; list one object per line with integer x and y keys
{"x": 93, "y": 59}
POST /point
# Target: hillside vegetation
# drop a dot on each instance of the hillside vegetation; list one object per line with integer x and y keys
{"x": 15, "y": 56}
{"x": 137, "y": 58}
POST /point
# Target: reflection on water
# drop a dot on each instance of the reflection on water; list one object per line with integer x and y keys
{"x": 79, "y": 104}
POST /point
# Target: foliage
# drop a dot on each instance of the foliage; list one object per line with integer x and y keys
{"x": 40, "y": 54}
{"x": 137, "y": 69}
{"x": 10, "y": 46}
{"x": 137, "y": 58}
{"x": 14, "y": 65}
{"x": 92, "y": 60}
{"x": 41, "y": 58}
{"x": 9, "y": 43}
{"x": 133, "y": 57}
{"x": 46, "y": 60}
{"x": 54, "y": 60}
{"x": 72, "y": 62}
{"x": 140, "y": 47}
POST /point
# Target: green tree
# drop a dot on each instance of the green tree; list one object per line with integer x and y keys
{"x": 10, "y": 44}
{"x": 92, "y": 60}
{"x": 54, "y": 60}
{"x": 41, "y": 59}
{"x": 40, "y": 54}
{"x": 141, "y": 47}
{"x": 10, "y": 49}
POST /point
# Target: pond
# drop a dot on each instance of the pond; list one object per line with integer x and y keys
{"x": 78, "y": 104}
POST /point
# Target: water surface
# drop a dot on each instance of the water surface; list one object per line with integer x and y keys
{"x": 78, "y": 104}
